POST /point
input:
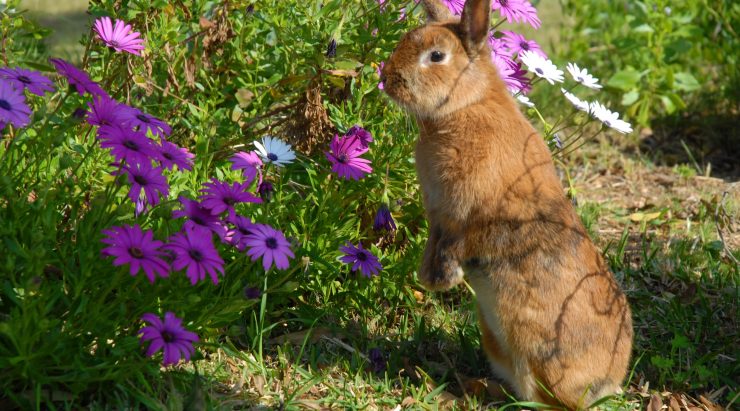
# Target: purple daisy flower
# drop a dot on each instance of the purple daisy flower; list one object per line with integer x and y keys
{"x": 196, "y": 252}
{"x": 129, "y": 245}
{"x": 365, "y": 137}
{"x": 515, "y": 42}
{"x": 143, "y": 176}
{"x": 379, "y": 72}
{"x": 169, "y": 336}
{"x": 455, "y": 6}
{"x": 384, "y": 219}
{"x": 236, "y": 236}
{"x": 77, "y": 78}
{"x": 199, "y": 217}
{"x": 361, "y": 259}
{"x": 142, "y": 121}
{"x": 250, "y": 163}
{"x": 345, "y": 158}
{"x": 171, "y": 155}
{"x": 35, "y": 82}
{"x": 270, "y": 244}
{"x": 517, "y": 11}
{"x": 127, "y": 145}
{"x": 119, "y": 36}
{"x": 220, "y": 196}
{"x": 105, "y": 111}
{"x": 13, "y": 108}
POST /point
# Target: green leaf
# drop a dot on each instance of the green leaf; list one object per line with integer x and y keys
{"x": 668, "y": 104}
{"x": 629, "y": 98}
{"x": 625, "y": 79}
{"x": 686, "y": 82}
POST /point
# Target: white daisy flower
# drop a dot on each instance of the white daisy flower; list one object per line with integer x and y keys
{"x": 525, "y": 100}
{"x": 581, "y": 75}
{"x": 577, "y": 102}
{"x": 610, "y": 118}
{"x": 273, "y": 150}
{"x": 541, "y": 66}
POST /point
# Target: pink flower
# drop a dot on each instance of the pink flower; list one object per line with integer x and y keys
{"x": 120, "y": 36}
{"x": 345, "y": 157}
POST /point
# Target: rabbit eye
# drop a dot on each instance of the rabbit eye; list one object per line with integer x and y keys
{"x": 437, "y": 56}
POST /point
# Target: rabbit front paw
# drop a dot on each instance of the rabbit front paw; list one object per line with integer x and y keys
{"x": 440, "y": 268}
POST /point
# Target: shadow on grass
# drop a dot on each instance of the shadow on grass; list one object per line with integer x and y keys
{"x": 700, "y": 136}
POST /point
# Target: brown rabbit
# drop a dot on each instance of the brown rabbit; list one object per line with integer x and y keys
{"x": 554, "y": 322}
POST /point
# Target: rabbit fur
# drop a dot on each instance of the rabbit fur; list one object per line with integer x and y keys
{"x": 554, "y": 322}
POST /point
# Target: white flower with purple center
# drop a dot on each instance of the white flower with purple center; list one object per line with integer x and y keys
{"x": 610, "y": 118}
{"x": 273, "y": 150}
{"x": 577, "y": 102}
{"x": 541, "y": 66}
{"x": 582, "y": 76}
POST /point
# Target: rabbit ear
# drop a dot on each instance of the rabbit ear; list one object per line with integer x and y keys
{"x": 475, "y": 21}
{"x": 436, "y": 11}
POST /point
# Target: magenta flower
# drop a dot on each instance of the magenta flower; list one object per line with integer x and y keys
{"x": 35, "y": 82}
{"x": 129, "y": 245}
{"x": 127, "y": 145}
{"x": 196, "y": 252}
{"x": 515, "y": 42}
{"x": 384, "y": 219}
{"x": 199, "y": 217}
{"x": 77, "y": 78}
{"x": 345, "y": 158}
{"x": 169, "y": 336}
{"x": 119, "y": 36}
{"x": 517, "y": 11}
{"x": 250, "y": 163}
{"x": 141, "y": 121}
{"x": 270, "y": 244}
{"x": 171, "y": 155}
{"x": 236, "y": 236}
{"x": 455, "y": 6}
{"x": 379, "y": 72}
{"x": 220, "y": 196}
{"x": 360, "y": 259}
{"x": 142, "y": 176}
{"x": 365, "y": 137}
{"x": 13, "y": 108}
{"x": 105, "y": 111}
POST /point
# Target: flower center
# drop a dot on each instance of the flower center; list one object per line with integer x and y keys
{"x": 524, "y": 45}
{"x": 362, "y": 256}
{"x": 229, "y": 201}
{"x": 272, "y": 157}
{"x": 4, "y": 105}
{"x": 141, "y": 180}
{"x": 503, "y": 2}
{"x": 539, "y": 71}
{"x": 580, "y": 79}
{"x": 131, "y": 145}
{"x": 168, "y": 156}
{"x": 271, "y": 243}
{"x": 135, "y": 252}
{"x": 143, "y": 118}
{"x": 608, "y": 124}
{"x": 24, "y": 79}
{"x": 168, "y": 337}
{"x": 342, "y": 158}
{"x": 197, "y": 220}
{"x": 196, "y": 255}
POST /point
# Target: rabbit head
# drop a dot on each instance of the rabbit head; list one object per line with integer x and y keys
{"x": 445, "y": 65}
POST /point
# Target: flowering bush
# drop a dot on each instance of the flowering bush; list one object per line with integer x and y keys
{"x": 205, "y": 142}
